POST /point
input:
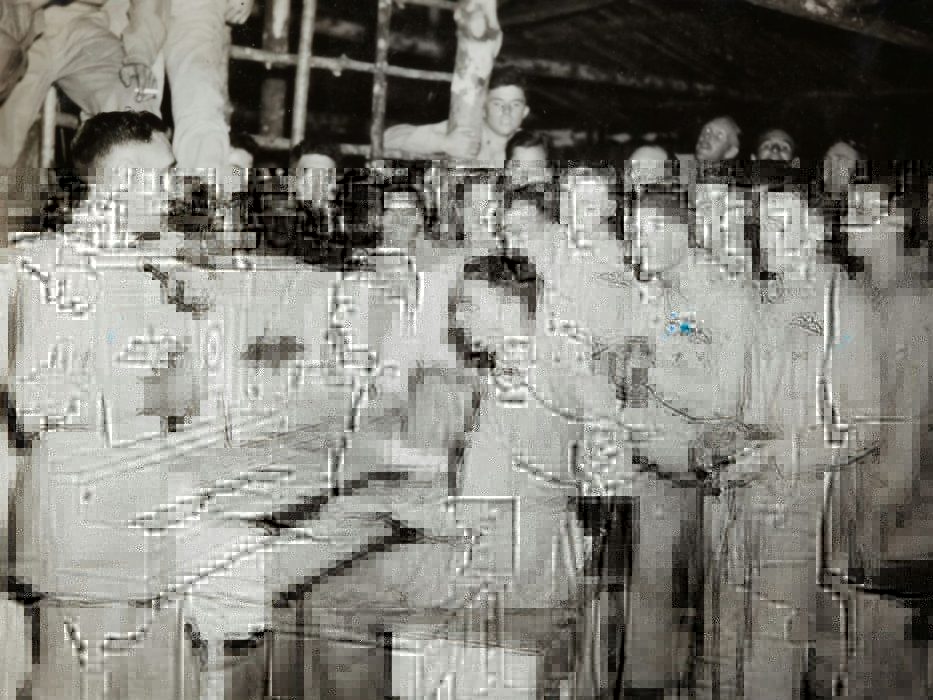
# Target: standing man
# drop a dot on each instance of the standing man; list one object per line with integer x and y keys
{"x": 682, "y": 372}
{"x": 505, "y": 109}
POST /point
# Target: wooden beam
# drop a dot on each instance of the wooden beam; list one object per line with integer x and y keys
{"x": 820, "y": 11}
{"x": 583, "y": 73}
{"x": 553, "y": 10}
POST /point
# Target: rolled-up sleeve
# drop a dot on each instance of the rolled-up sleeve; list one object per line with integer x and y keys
{"x": 145, "y": 35}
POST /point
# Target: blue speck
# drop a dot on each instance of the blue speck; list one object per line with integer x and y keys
{"x": 674, "y": 314}
{"x": 671, "y": 328}
{"x": 111, "y": 337}
{"x": 685, "y": 328}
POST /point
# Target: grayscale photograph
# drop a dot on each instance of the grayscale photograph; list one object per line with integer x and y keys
{"x": 466, "y": 349}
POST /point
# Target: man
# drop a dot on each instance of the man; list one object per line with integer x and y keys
{"x": 492, "y": 319}
{"x": 505, "y": 109}
{"x": 527, "y": 154}
{"x": 111, "y": 147}
{"x": 77, "y": 52}
{"x": 681, "y": 374}
{"x": 719, "y": 140}
{"x": 839, "y": 165}
{"x": 775, "y": 144}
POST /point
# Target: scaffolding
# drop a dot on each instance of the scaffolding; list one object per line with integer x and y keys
{"x": 303, "y": 61}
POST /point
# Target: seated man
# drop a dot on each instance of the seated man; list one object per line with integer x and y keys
{"x": 527, "y": 154}
{"x": 505, "y": 109}
{"x": 77, "y": 52}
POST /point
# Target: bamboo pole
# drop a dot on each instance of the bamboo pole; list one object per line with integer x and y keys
{"x": 380, "y": 78}
{"x": 274, "y": 89}
{"x": 450, "y": 5}
{"x": 49, "y": 112}
{"x": 479, "y": 39}
{"x": 336, "y": 65}
{"x": 303, "y": 77}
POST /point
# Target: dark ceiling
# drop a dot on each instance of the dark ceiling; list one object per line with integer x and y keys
{"x": 664, "y": 66}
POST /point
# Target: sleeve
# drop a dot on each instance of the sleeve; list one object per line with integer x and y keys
{"x": 421, "y": 141}
{"x": 148, "y": 27}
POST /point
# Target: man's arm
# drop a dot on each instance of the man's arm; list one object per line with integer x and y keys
{"x": 145, "y": 34}
{"x": 431, "y": 141}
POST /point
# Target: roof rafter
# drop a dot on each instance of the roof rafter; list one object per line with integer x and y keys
{"x": 826, "y": 13}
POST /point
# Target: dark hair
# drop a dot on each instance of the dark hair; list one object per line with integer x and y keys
{"x": 514, "y": 274}
{"x": 544, "y": 197}
{"x": 503, "y": 77}
{"x": 527, "y": 139}
{"x": 672, "y": 200}
{"x": 767, "y": 132}
{"x": 105, "y": 131}
{"x": 315, "y": 147}
{"x": 240, "y": 139}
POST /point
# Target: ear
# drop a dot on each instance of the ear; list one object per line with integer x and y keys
{"x": 731, "y": 153}
{"x": 526, "y": 112}
{"x": 754, "y": 156}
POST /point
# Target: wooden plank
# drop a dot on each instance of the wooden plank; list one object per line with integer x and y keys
{"x": 544, "y": 12}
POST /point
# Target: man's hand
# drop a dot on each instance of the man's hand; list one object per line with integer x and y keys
{"x": 142, "y": 76}
{"x": 238, "y": 11}
{"x": 462, "y": 143}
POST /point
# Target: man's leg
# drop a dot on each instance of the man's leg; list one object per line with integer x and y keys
{"x": 664, "y": 595}
{"x": 21, "y": 108}
{"x": 90, "y": 67}
{"x": 194, "y": 54}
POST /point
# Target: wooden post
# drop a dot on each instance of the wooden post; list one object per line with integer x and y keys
{"x": 380, "y": 78}
{"x": 479, "y": 38}
{"x": 275, "y": 39}
{"x": 303, "y": 72}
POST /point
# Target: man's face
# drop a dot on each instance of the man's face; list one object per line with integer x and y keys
{"x": 490, "y": 316}
{"x": 137, "y": 174}
{"x": 776, "y": 145}
{"x": 505, "y": 109}
{"x": 718, "y": 140}
{"x": 528, "y": 165}
{"x": 526, "y": 231}
{"x": 401, "y": 220}
{"x": 660, "y": 239}
{"x": 783, "y": 234}
{"x": 586, "y": 206}
{"x": 838, "y": 165}
{"x": 317, "y": 177}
